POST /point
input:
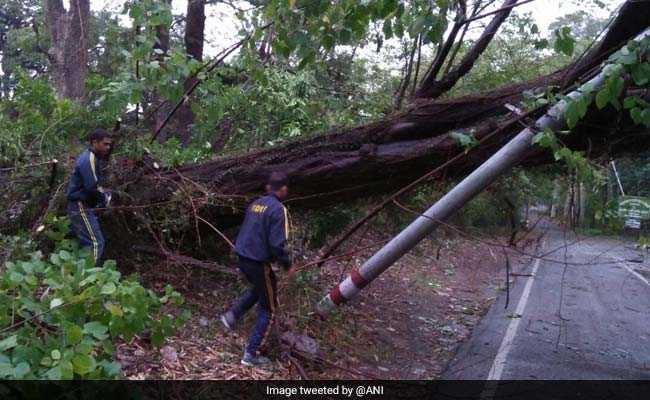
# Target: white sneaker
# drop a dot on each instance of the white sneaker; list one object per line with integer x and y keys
{"x": 228, "y": 320}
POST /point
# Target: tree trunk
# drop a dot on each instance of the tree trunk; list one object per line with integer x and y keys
{"x": 194, "y": 37}
{"x": 432, "y": 88}
{"x": 583, "y": 205}
{"x": 555, "y": 198}
{"x": 162, "y": 43}
{"x": 408, "y": 70}
{"x": 69, "y": 31}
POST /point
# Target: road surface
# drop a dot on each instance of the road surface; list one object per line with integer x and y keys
{"x": 581, "y": 312}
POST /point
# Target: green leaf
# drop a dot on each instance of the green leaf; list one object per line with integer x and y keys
{"x": 602, "y": 98}
{"x": 388, "y": 29}
{"x": 327, "y": 41}
{"x": 108, "y": 288}
{"x": 637, "y": 115}
{"x": 21, "y": 370}
{"x": 564, "y": 42}
{"x": 641, "y": 74}
{"x": 345, "y": 36}
{"x": 73, "y": 334}
{"x": 8, "y": 343}
{"x": 616, "y": 84}
{"x": 546, "y": 139}
{"x": 463, "y": 139}
{"x": 83, "y": 364}
{"x": 96, "y": 329}
{"x": 114, "y": 309}
{"x": 54, "y": 373}
{"x": 31, "y": 280}
{"x": 418, "y": 25}
{"x": 157, "y": 338}
{"x": 55, "y": 354}
{"x": 16, "y": 277}
{"x": 629, "y": 102}
{"x": 65, "y": 255}
{"x": 398, "y": 29}
{"x": 582, "y": 104}
{"x": 111, "y": 368}
{"x": 572, "y": 114}
{"x": 54, "y": 259}
{"x": 387, "y": 7}
{"x": 6, "y": 370}
{"x": 645, "y": 117}
{"x": 66, "y": 370}
{"x": 85, "y": 347}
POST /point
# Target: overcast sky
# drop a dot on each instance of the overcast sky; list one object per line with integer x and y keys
{"x": 221, "y": 25}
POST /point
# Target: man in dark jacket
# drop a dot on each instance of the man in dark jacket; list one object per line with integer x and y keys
{"x": 86, "y": 193}
{"x": 261, "y": 241}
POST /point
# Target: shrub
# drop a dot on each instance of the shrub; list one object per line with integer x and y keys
{"x": 60, "y": 316}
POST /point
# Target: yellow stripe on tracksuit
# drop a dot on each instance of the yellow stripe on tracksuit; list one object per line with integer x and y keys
{"x": 91, "y": 159}
{"x": 287, "y": 225}
{"x": 272, "y": 302}
{"x": 90, "y": 230}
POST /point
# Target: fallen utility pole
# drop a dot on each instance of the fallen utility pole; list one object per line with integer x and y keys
{"x": 504, "y": 159}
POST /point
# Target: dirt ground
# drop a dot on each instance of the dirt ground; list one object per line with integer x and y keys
{"x": 405, "y": 325}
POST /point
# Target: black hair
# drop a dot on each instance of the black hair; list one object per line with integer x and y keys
{"x": 277, "y": 180}
{"x": 98, "y": 135}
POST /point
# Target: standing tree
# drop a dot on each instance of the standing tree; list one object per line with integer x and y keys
{"x": 161, "y": 48}
{"x": 68, "y": 51}
{"x": 194, "y": 35}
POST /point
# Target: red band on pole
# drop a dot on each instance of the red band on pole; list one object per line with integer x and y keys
{"x": 358, "y": 280}
{"x": 337, "y": 296}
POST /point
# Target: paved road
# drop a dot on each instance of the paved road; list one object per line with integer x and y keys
{"x": 579, "y": 314}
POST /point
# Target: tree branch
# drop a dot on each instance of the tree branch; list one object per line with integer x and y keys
{"x": 432, "y": 88}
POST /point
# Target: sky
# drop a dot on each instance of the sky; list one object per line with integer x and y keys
{"x": 221, "y": 25}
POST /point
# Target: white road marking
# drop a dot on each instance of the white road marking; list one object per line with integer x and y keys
{"x": 633, "y": 272}
{"x": 506, "y": 344}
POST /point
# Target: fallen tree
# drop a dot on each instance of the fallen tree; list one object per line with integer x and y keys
{"x": 386, "y": 154}
{"x": 370, "y": 159}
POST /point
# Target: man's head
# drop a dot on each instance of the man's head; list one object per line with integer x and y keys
{"x": 100, "y": 142}
{"x": 277, "y": 183}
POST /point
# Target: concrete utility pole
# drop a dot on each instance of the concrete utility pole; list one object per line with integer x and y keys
{"x": 504, "y": 159}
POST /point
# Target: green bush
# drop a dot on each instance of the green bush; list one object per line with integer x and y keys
{"x": 60, "y": 316}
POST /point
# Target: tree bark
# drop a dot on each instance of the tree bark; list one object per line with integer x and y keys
{"x": 194, "y": 38}
{"x": 162, "y": 43}
{"x": 69, "y": 31}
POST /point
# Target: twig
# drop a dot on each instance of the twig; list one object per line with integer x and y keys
{"x": 180, "y": 259}
{"x": 224, "y": 237}
{"x": 472, "y": 19}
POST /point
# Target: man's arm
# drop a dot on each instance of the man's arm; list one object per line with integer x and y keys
{"x": 278, "y": 235}
{"x": 89, "y": 179}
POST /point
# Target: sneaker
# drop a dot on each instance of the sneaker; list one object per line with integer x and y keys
{"x": 254, "y": 361}
{"x": 228, "y": 320}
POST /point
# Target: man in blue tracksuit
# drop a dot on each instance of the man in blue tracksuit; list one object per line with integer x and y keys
{"x": 261, "y": 241}
{"x": 86, "y": 193}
